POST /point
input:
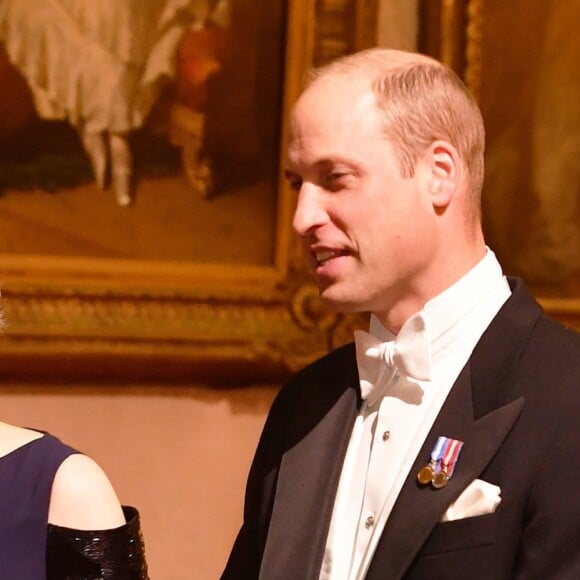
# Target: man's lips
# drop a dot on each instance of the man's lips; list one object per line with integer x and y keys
{"x": 322, "y": 257}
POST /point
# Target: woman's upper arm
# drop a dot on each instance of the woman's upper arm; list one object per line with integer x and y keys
{"x": 83, "y": 498}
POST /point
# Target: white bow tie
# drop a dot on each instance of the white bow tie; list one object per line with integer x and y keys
{"x": 409, "y": 354}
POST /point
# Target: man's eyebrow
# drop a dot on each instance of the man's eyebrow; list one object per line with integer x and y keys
{"x": 322, "y": 163}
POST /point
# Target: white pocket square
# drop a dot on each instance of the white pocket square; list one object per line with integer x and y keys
{"x": 477, "y": 499}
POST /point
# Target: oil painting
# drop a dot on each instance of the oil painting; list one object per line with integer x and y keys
{"x": 520, "y": 66}
{"x": 141, "y": 129}
{"x": 145, "y": 229}
{"x": 532, "y": 193}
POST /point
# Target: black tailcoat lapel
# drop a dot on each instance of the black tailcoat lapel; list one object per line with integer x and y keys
{"x": 419, "y": 508}
{"x": 480, "y": 410}
{"x": 309, "y": 473}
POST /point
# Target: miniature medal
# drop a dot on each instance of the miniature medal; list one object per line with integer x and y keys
{"x": 450, "y": 453}
{"x": 440, "y": 468}
{"x": 427, "y": 473}
{"x": 439, "y": 479}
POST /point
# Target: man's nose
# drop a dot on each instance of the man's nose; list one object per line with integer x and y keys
{"x": 310, "y": 212}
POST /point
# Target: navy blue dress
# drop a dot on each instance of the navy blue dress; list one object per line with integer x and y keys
{"x": 26, "y": 476}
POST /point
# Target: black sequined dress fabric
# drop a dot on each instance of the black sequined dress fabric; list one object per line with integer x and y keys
{"x": 116, "y": 554}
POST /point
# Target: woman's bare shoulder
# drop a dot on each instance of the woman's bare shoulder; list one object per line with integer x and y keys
{"x": 83, "y": 498}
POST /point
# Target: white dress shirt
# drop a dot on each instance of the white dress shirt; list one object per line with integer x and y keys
{"x": 390, "y": 429}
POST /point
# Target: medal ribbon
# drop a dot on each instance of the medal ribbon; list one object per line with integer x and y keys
{"x": 437, "y": 453}
{"x": 450, "y": 454}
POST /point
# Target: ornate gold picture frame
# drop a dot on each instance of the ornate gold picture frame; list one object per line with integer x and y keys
{"x": 87, "y": 317}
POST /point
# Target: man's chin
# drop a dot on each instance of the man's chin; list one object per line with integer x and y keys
{"x": 337, "y": 303}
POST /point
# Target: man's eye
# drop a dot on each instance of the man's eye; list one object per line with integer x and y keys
{"x": 295, "y": 184}
{"x": 336, "y": 179}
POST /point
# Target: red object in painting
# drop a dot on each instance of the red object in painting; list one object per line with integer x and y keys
{"x": 16, "y": 104}
{"x": 200, "y": 55}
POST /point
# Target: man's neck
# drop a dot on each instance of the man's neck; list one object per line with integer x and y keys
{"x": 414, "y": 300}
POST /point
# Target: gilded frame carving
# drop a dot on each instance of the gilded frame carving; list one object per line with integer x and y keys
{"x": 121, "y": 319}
{"x": 452, "y": 31}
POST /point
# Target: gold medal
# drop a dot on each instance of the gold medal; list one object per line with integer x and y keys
{"x": 439, "y": 480}
{"x": 443, "y": 459}
{"x": 425, "y": 475}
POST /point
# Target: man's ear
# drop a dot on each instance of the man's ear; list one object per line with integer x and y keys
{"x": 445, "y": 172}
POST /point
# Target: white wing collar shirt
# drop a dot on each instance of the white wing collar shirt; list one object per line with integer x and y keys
{"x": 404, "y": 381}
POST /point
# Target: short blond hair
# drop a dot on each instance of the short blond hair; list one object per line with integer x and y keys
{"x": 422, "y": 101}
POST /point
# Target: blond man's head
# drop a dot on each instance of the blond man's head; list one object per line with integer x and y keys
{"x": 421, "y": 101}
